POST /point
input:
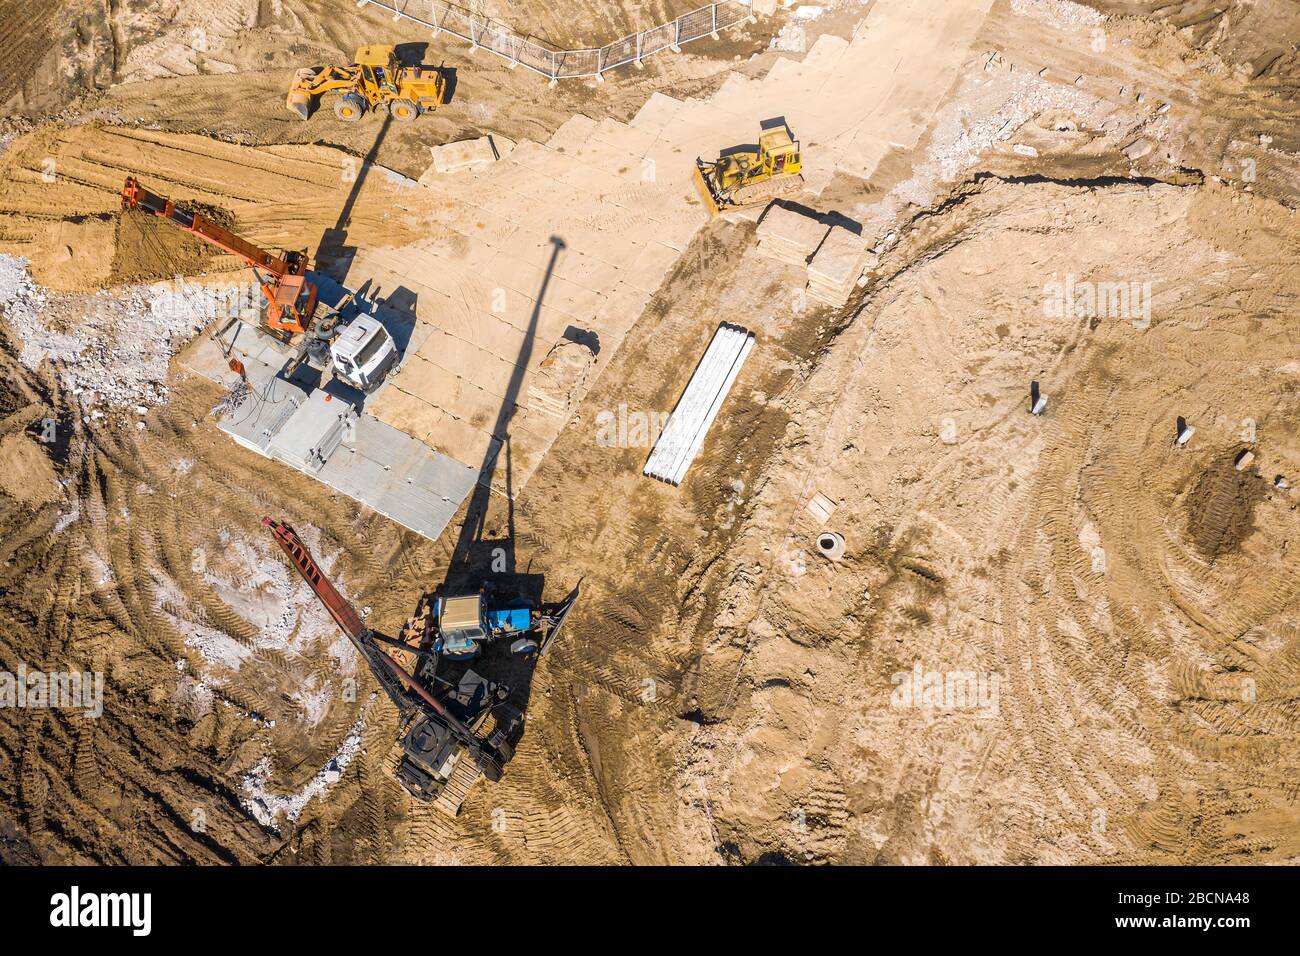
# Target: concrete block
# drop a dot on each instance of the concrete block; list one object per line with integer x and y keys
{"x": 784, "y": 230}
{"x": 467, "y": 154}
{"x": 839, "y": 258}
{"x": 821, "y": 507}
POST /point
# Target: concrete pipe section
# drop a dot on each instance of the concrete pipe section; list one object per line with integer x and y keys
{"x": 831, "y": 544}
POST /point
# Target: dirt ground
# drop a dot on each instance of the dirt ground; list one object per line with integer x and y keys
{"x": 1125, "y": 606}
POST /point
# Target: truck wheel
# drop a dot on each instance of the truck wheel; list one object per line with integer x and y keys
{"x": 349, "y": 107}
{"x": 403, "y": 110}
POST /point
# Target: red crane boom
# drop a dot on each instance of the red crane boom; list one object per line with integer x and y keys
{"x": 290, "y": 298}
{"x": 347, "y": 618}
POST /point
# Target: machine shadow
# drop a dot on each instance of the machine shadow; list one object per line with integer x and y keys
{"x": 333, "y": 254}
{"x": 483, "y": 559}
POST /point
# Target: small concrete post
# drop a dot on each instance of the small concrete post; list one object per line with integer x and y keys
{"x": 676, "y": 46}
{"x": 714, "y": 33}
{"x": 1037, "y": 401}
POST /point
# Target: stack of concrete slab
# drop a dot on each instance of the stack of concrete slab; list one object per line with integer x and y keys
{"x": 836, "y": 265}
{"x": 320, "y": 433}
{"x": 790, "y": 236}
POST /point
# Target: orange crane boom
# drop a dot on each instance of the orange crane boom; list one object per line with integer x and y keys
{"x": 290, "y": 298}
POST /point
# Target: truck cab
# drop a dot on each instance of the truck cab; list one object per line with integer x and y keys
{"x": 464, "y": 625}
{"x": 363, "y": 353}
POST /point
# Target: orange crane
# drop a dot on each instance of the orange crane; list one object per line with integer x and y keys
{"x": 290, "y": 298}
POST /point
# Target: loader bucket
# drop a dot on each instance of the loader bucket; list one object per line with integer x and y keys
{"x": 299, "y": 102}
{"x": 706, "y": 193}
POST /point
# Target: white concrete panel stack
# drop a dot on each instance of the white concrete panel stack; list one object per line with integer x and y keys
{"x": 683, "y": 436}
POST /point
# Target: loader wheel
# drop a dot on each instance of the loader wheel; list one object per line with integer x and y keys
{"x": 349, "y": 107}
{"x": 403, "y": 110}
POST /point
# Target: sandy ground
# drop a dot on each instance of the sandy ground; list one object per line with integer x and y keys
{"x": 1121, "y": 610}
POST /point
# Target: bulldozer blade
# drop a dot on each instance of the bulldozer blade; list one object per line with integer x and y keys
{"x": 299, "y": 103}
{"x": 706, "y": 194}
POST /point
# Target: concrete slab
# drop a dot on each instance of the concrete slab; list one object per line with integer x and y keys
{"x": 572, "y": 133}
{"x": 399, "y": 477}
{"x": 837, "y": 260}
{"x": 790, "y": 235}
{"x": 466, "y": 154}
{"x": 261, "y": 414}
{"x": 313, "y": 432}
{"x": 657, "y": 114}
{"x": 628, "y": 137}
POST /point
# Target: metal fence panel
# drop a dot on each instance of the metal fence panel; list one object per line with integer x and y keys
{"x": 620, "y": 52}
{"x": 573, "y": 63}
{"x": 697, "y": 23}
{"x": 567, "y": 64}
{"x": 660, "y": 38}
{"x": 536, "y": 58}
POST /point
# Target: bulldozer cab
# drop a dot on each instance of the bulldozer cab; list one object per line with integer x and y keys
{"x": 779, "y": 151}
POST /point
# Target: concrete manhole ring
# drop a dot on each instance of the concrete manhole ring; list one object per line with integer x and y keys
{"x": 831, "y": 544}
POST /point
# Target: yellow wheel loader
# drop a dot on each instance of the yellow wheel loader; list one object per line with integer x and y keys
{"x": 748, "y": 175}
{"x": 376, "y": 81}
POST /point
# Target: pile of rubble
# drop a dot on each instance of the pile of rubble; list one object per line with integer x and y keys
{"x": 109, "y": 349}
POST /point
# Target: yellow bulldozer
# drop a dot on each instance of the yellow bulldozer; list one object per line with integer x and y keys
{"x": 375, "y": 81}
{"x": 750, "y": 175}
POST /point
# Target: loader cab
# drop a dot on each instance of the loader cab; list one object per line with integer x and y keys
{"x": 363, "y": 353}
{"x": 378, "y": 63}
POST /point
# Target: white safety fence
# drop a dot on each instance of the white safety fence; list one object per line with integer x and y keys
{"x": 486, "y": 33}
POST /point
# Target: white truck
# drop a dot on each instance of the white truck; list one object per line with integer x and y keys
{"x": 360, "y": 352}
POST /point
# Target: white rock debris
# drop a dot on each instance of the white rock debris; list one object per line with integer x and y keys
{"x": 1061, "y": 14}
{"x": 965, "y": 130}
{"x": 268, "y": 808}
{"x": 118, "y": 344}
